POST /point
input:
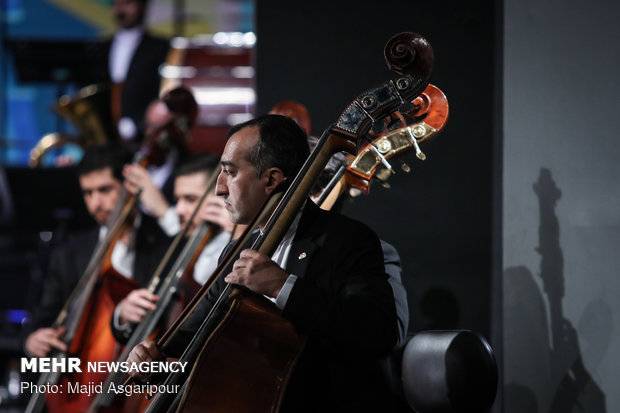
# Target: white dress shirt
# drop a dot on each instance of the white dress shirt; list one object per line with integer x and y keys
{"x": 280, "y": 257}
{"x": 208, "y": 259}
{"x": 123, "y": 257}
{"x": 123, "y": 47}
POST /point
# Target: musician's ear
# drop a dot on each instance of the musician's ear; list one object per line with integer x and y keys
{"x": 274, "y": 177}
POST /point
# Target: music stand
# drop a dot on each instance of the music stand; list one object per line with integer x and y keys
{"x": 62, "y": 62}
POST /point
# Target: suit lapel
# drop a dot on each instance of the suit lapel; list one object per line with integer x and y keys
{"x": 136, "y": 58}
{"x": 305, "y": 243}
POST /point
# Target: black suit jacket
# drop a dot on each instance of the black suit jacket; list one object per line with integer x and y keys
{"x": 69, "y": 261}
{"x": 142, "y": 83}
{"x": 343, "y": 303}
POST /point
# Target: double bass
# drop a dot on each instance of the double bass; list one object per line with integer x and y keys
{"x": 247, "y": 328}
{"x": 86, "y": 314}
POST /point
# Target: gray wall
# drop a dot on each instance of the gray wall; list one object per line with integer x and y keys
{"x": 561, "y": 220}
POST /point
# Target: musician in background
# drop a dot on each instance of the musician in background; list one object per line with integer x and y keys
{"x": 134, "y": 57}
{"x": 190, "y": 183}
{"x": 168, "y": 122}
{"x": 326, "y": 276}
{"x": 296, "y": 111}
{"x": 136, "y": 253}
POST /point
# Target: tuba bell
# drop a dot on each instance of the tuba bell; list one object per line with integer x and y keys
{"x": 90, "y": 111}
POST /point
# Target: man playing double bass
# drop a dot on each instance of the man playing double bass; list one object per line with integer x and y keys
{"x": 135, "y": 256}
{"x": 327, "y": 277}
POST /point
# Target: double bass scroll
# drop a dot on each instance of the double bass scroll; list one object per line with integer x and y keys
{"x": 402, "y": 132}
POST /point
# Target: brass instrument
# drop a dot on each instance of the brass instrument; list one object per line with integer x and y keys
{"x": 89, "y": 110}
{"x": 47, "y": 144}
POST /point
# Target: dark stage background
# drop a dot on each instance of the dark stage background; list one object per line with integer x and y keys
{"x": 324, "y": 54}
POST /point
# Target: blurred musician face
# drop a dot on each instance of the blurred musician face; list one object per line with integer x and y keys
{"x": 295, "y": 111}
{"x": 129, "y": 13}
{"x": 188, "y": 190}
{"x": 163, "y": 132}
{"x": 100, "y": 190}
{"x": 243, "y": 190}
{"x": 157, "y": 117}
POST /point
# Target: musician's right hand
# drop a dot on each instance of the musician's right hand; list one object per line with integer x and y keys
{"x": 135, "y": 306}
{"x": 41, "y": 342}
{"x": 138, "y": 178}
{"x": 146, "y": 351}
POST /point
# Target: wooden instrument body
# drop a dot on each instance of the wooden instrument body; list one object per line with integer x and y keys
{"x": 253, "y": 326}
{"x": 93, "y": 342}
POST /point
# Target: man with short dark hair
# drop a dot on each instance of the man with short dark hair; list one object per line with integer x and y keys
{"x": 135, "y": 255}
{"x": 326, "y": 276}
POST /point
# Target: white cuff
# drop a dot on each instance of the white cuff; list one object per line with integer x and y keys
{"x": 169, "y": 222}
{"x": 285, "y": 291}
{"x": 116, "y": 320}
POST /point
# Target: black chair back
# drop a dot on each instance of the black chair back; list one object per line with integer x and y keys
{"x": 451, "y": 371}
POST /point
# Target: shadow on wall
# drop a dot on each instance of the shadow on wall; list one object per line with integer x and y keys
{"x": 546, "y": 359}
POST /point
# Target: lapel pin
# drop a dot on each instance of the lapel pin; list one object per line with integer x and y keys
{"x": 302, "y": 256}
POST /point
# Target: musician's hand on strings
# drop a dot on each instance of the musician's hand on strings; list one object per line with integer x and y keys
{"x": 257, "y": 272}
{"x": 136, "y": 178}
{"x": 146, "y": 351}
{"x": 135, "y": 306}
{"x": 41, "y": 342}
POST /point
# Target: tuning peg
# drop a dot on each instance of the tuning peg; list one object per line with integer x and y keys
{"x": 417, "y": 131}
{"x": 379, "y": 155}
{"x": 406, "y": 168}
